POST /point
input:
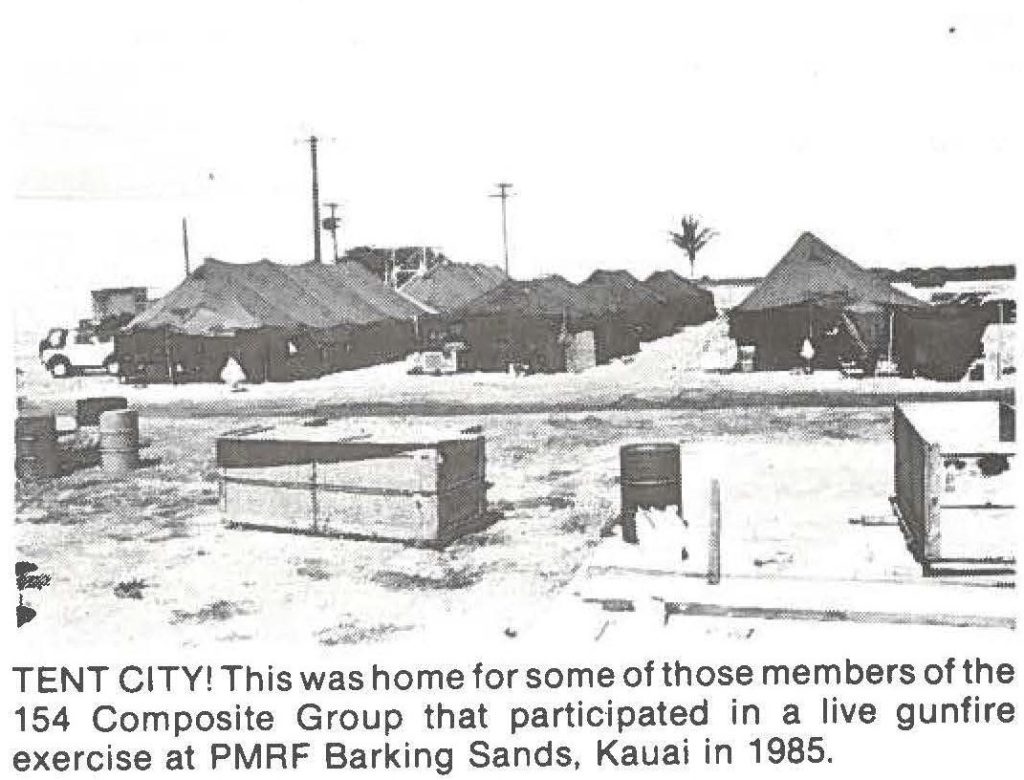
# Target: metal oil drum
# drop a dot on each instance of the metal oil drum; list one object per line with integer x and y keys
{"x": 119, "y": 440}
{"x": 37, "y": 451}
{"x": 650, "y": 477}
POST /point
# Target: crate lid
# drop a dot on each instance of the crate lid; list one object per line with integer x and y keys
{"x": 959, "y": 426}
{"x": 382, "y": 430}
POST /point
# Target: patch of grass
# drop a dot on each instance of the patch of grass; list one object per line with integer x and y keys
{"x": 216, "y": 611}
{"x": 775, "y": 560}
{"x": 449, "y": 579}
{"x": 351, "y": 633}
{"x": 518, "y": 453}
{"x": 574, "y": 524}
{"x": 838, "y": 434}
{"x": 556, "y": 474}
{"x": 552, "y": 502}
{"x": 488, "y": 538}
{"x": 85, "y": 484}
{"x": 132, "y": 589}
{"x": 171, "y": 529}
{"x": 58, "y": 515}
{"x": 314, "y": 570}
{"x": 570, "y": 423}
{"x": 234, "y": 636}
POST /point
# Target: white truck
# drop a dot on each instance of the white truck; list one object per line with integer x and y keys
{"x": 69, "y": 351}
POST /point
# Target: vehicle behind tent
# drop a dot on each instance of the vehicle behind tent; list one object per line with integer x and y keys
{"x": 278, "y": 322}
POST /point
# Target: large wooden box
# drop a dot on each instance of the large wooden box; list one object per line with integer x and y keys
{"x": 954, "y": 485}
{"x": 398, "y": 483}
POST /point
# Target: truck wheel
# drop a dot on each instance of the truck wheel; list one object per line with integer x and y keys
{"x": 110, "y": 365}
{"x": 60, "y": 367}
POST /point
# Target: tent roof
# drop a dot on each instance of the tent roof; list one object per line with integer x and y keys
{"x": 549, "y": 296}
{"x": 371, "y": 289}
{"x": 813, "y": 272}
{"x": 674, "y": 287}
{"x": 221, "y": 297}
{"x": 615, "y": 278}
{"x": 449, "y": 286}
{"x": 610, "y": 291}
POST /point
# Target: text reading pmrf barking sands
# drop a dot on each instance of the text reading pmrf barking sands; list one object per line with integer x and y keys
{"x": 651, "y": 713}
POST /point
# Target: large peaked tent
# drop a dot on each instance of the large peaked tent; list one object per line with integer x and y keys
{"x": 279, "y": 322}
{"x": 816, "y": 293}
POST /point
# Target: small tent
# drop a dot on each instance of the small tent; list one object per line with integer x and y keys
{"x": 541, "y": 323}
{"x": 939, "y": 342}
{"x": 620, "y": 295}
{"x": 815, "y": 293}
{"x": 690, "y": 304}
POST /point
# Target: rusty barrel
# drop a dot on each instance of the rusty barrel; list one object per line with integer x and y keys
{"x": 119, "y": 440}
{"x": 88, "y": 410}
{"x": 36, "y": 449}
{"x": 650, "y": 477}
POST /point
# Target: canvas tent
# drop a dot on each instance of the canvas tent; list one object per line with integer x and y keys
{"x": 944, "y": 341}
{"x": 690, "y": 304}
{"x": 816, "y": 293}
{"x": 545, "y": 324}
{"x": 620, "y": 295}
{"x": 939, "y": 342}
{"x": 963, "y": 324}
{"x": 449, "y": 286}
{"x": 442, "y": 290}
{"x": 278, "y": 322}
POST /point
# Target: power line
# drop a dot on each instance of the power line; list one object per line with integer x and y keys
{"x": 504, "y": 194}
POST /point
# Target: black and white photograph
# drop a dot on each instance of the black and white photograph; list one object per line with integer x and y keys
{"x": 335, "y": 330}
{"x": 673, "y": 326}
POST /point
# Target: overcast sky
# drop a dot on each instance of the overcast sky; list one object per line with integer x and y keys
{"x": 893, "y": 131}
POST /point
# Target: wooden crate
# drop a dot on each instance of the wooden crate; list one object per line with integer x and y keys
{"x": 411, "y": 485}
{"x": 953, "y": 481}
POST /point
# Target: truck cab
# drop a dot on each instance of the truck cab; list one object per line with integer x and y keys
{"x": 68, "y": 351}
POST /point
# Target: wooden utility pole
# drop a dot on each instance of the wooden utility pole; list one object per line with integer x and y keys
{"x": 504, "y": 194}
{"x": 313, "y": 141}
{"x": 184, "y": 245}
{"x": 331, "y": 224}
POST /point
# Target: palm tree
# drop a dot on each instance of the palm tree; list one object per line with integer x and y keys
{"x": 693, "y": 238}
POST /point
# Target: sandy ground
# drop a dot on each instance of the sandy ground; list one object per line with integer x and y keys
{"x": 804, "y": 463}
{"x": 149, "y": 556}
